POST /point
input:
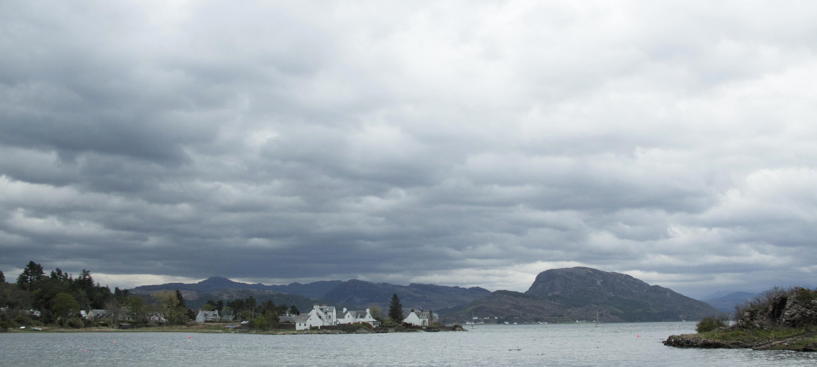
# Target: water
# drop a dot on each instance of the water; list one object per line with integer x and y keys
{"x": 490, "y": 345}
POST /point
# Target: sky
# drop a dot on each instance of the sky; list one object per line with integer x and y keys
{"x": 470, "y": 143}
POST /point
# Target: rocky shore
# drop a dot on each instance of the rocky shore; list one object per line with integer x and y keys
{"x": 777, "y": 320}
{"x": 796, "y": 340}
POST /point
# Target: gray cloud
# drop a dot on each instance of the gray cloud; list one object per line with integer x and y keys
{"x": 458, "y": 143}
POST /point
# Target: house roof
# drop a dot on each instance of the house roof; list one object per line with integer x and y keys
{"x": 423, "y": 315}
{"x": 358, "y": 314}
{"x": 287, "y": 318}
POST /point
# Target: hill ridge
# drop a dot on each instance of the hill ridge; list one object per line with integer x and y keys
{"x": 582, "y": 293}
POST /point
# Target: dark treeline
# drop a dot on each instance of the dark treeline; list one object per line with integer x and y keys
{"x": 50, "y": 299}
{"x": 60, "y": 299}
{"x": 264, "y": 316}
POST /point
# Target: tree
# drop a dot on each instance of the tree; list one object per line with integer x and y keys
{"x": 14, "y": 298}
{"x": 2, "y": 277}
{"x": 84, "y": 280}
{"x": 709, "y": 324}
{"x": 376, "y": 312}
{"x": 32, "y": 273}
{"x": 172, "y": 305}
{"x": 136, "y": 307}
{"x": 395, "y": 309}
{"x": 61, "y": 276}
{"x": 294, "y": 310}
{"x": 64, "y": 305}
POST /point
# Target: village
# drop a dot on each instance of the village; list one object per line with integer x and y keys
{"x": 322, "y": 316}
{"x": 319, "y": 317}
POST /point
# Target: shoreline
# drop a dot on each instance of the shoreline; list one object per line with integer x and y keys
{"x": 218, "y": 329}
{"x": 799, "y": 340}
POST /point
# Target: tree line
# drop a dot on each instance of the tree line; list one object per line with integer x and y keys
{"x": 58, "y": 298}
{"x": 262, "y": 316}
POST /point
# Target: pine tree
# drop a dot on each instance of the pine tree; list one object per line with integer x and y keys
{"x": 31, "y": 274}
{"x": 180, "y": 299}
{"x": 396, "y": 309}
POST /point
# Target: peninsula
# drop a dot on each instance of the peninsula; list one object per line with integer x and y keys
{"x": 777, "y": 320}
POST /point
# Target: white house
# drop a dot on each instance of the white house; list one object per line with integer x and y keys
{"x": 317, "y": 317}
{"x": 321, "y": 316}
{"x": 156, "y": 318}
{"x": 419, "y": 318}
{"x": 357, "y": 316}
{"x": 98, "y": 314}
{"x": 207, "y": 316}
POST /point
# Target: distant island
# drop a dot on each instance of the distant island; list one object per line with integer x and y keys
{"x": 776, "y": 320}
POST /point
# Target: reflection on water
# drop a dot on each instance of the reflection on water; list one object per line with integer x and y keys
{"x": 484, "y": 345}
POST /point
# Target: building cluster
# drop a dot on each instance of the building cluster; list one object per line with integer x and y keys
{"x": 123, "y": 315}
{"x": 321, "y": 316}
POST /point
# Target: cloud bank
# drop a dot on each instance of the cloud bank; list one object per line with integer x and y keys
{"x": 462, "y": 143}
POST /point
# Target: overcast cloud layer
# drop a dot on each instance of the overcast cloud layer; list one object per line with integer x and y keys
{"x": 458, "y": 143}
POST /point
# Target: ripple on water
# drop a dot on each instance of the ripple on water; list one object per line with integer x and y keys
{"x": 489, "y": 345}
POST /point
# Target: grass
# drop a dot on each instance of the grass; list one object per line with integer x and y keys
{"x": 802, "y": 344}
{"x": 752, "y": 336}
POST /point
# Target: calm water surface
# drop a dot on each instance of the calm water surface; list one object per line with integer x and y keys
{"x": 529, "y": 345}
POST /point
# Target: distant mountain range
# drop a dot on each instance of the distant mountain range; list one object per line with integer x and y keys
{"x": 727, "y": 302}
{"x": 350, "y": 293}
{"x": 558, "y": 295}
{"x": 218, "y": 288}
{"x": 564, "y": 295}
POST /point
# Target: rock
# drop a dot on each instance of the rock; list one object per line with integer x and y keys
{"x": 788, "y": 308}
{"x": 799, "y": 312}
{"x": 694, "y": 341}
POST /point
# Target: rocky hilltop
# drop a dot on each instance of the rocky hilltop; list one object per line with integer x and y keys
{"x": 564, "y": 295}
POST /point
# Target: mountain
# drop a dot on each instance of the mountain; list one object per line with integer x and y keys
{"x": 350, "y": 293}
{"x": 220, "y": 288}
{"x": 207, "y": 285}
{"x": 360, "y": 294}
{"x": 560, "y": 295}
{"x": 727, "y": 302}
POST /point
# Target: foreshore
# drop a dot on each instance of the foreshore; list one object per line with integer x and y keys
{"x": 223, "y": 329}
{"x": 801, "y": 340}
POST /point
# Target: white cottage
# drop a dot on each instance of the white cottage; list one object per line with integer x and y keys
{"x": 419, "y": 318}
{"x": 318, "y": 317}
{"x": 357, "y": 316}
{"x": 207, "y": 316}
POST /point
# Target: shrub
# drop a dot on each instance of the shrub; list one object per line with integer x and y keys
{"x": 709, "y": 324}
{"x": 75, "y": 322}
{"x": 260, "y": 323}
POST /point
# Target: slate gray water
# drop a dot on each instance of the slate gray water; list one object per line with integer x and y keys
{"x": 636, "y": 344}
